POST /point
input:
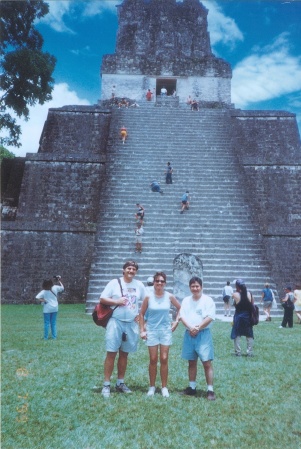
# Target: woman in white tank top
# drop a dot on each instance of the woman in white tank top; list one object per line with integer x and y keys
{"x": 157, "y": 330}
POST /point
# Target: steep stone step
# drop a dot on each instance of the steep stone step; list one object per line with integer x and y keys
{"x": 218, "y": 227}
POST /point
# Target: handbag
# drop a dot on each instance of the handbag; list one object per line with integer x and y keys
{"x": 102, "y": 313}
{"x": 254, "y": 315}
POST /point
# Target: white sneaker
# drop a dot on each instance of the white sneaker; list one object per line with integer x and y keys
{"x": 151, "y": 391}
{"x": 280, "y": 327}
{"x": 106, "y": 391}
{"x": 165, "y": 392}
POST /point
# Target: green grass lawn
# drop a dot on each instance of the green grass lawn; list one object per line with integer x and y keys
{"x": 48, "y": 401}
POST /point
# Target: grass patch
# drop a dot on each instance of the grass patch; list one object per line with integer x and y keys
{"x": 48, "y": 402}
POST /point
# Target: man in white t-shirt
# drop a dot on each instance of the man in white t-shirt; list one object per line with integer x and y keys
{"x": 197, "y": 313}
{"x": 122, "y": 330}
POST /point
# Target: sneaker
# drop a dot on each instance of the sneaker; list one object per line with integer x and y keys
{"x": 165, "y": 392}
{"x": 280, "y": 327}
{"x": 189, "y": 391}
{"x": 211, "y": 396}
{"x": 151, "y": 391}
{"x": 106, "y": 391}
{"x": 122, "y": 388}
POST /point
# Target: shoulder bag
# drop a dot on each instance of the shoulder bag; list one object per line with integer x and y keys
{"x": 102, "y": 313}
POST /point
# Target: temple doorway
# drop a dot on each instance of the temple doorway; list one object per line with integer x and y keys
{"x": 170, "y": 85}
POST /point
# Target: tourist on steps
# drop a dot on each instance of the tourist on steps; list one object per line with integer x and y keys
{"x": 155, "y": 186}
{"x": 227, "y": 295}
{"x": 168, "y": 173}
{"x": 140, "y": 213}
{"x": 185, "y": 202}
{"x": 123, "y": 134}
{"x": 267, "y": 299}
{"x": 139, "y": 233}
{"x": 122, "y": 331}
{"x": 149, "y": 95}
{"x": 197, "y": 313}
{"x": 157, "y": 332}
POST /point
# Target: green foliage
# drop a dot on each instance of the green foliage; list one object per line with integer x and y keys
{"x": 26, "y": 77}
{"x": 4, "y": 153}
{"x": 48, "y": 401}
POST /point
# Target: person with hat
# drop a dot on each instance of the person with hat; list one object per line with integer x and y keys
{"x": 122, "y": 331}
{"x": 242, "y": 326}
{"x": 288, "y": 306}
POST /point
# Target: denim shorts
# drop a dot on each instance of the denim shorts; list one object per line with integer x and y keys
{"x": 267, "y": 304}
{"x": 199, "y": 346}
{"x": 159, "y": 337}
{"x": 114, "y": 331}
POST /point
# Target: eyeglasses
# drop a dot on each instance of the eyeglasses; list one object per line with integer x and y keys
{"x": 160, "y": 281}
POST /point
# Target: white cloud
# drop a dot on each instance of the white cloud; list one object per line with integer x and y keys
{"x": 266, "y": 74}
{"x": 95, "y": 7}
{"x": 222, "y": 29}
{"x": 58, "y": 10}
{"x": 32, "y": 130}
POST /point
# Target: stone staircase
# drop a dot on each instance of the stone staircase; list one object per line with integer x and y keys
{"x": 218, "y": 227}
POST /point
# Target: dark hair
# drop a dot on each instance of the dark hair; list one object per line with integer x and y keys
{"x": 130, "y": 263}
{"x": 160, "y": 273}
{"x": 228, "y": 282}
{"x": 243, "y": 291}
{"x": 195, "y": 279}
{"x": 47, "y": 284}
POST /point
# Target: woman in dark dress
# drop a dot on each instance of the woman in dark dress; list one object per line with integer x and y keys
{"x": 242, "y": 318}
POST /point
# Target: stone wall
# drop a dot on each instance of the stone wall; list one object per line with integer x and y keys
{"x": 269, "y": 150}
{"x": 54, "y": 229}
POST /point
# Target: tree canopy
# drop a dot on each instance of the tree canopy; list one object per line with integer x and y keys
{"x": 5, "y": 153}
{"x": 26, "y": 71}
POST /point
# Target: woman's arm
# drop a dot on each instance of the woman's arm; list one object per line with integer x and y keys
{"x": 143, "y": 310}
{"x": 177, "y": 305}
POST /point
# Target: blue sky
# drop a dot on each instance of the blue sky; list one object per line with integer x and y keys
{"x": 260, "y": 39}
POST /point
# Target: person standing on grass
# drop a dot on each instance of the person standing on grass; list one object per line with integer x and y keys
{"x": 158, "y": 330}
{"x": 197, "y": 314}
{"x": 122, "y": 331}
{"x": 242, "y": 318}
{"x": 288, "y": 306}
{"x": 48, "y": 297}
{"x": 297, "y": 297}
{"x": 227, "y": 295}
{"x": 267, "y": 298}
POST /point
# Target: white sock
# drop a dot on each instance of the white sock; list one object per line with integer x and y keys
{"x": 209, "y": 387}
{"x": 192, "y": 385}
{"x": 120, "y": 381}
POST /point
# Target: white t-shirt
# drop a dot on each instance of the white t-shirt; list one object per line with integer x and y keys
{"x": 134, "y": 292}
{"x": 227, "y": 290}
{"x": 50, "y": 296}
{"x": 194, "y": 312}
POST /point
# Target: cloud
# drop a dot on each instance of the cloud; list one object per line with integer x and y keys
{"x": 96, "y": 7}
{"x": 222, "y": 29}
{"x": 60, "y": 10}
{"x": 32, "y": 130}
{"x": 266, "y": 74}
{"x": 55, "y": 18}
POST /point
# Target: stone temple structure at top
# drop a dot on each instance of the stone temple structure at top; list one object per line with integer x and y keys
{"x": 165, "y": 43}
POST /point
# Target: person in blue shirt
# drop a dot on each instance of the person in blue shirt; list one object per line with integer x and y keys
{"x": 185, "y": 202}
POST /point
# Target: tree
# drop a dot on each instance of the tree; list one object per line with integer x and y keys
{"x": 5, "y": 153}
{"x": 26, "y": 71}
